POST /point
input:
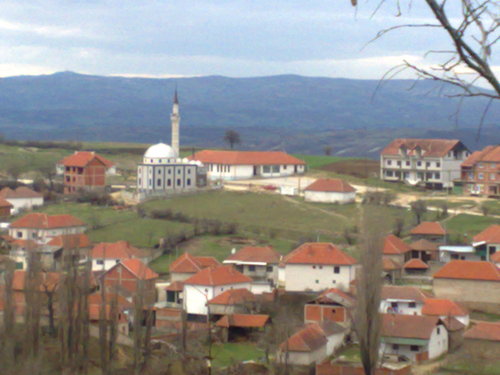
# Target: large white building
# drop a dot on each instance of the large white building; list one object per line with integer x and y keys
{"x": 22, "y": 198}
{"x": 429, "y": 162}
{"x": 241, "y": 165}
{"x": 162, "y": 171}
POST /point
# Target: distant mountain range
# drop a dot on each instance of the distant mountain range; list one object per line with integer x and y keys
{"x": 294, "y": 113}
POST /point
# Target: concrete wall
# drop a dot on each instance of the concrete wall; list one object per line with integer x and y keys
{"x": 304, "y": 358}
{"x": 476, "y": 294}
{"x": 24, "y": 203}
{"x": 329, "y": 197}
{"x": 197, "y": 296}
{"x": 438, "y": 344}
{"x": 309, "y": 277}
{"x": 243, "y": 172}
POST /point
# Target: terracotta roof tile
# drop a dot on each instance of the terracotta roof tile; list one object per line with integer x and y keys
{"x": 70, "y": 241}
{"x": 96, "y": 299}
{"x": 45, "y": 280}
{"x": 255, "y": 254}
{"x": 429, "y": 147}
{"x": 243, "y": 320}
{"x": 408, "y": 326}
{"x": 429, "y": 227}
{"x": 469, "y": 270}
{"x": 443, "y": 307}
{"x": 176, "y": 286}
{"x": 495, "y": 257}
{"x": 44, "y": 221}
{"x": 139, "y": 269}
{"x": 82, "y": 158}
{"x": 424, "y": 245}
{"x": 394, "y": 245}
{"x": 116, "y": 250}
{"x": 221, "y": 275}
{"x": 188, "y": 263}
{"x": 487, "y": 154}
{"x": 334, "y": 295}
{"x": 308, "y": 339}
{"x": 233, "y": 297}
{"x": 4, "y": 203}
{"x": 245, "y": 157}
{"x": 489, "y": 331}
{"x": 403, "y": 293}
{"x": 318, "y": 253}
{"x": 390, "y": 265}
{"x": 489, "y": 235}
{"x": 452, "y": 324}
{"x": 416, "y": 264}
{"x": 330, "y": 185}
{"x": 20, "y": 192}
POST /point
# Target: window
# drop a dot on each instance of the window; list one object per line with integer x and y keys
{"x": 269, "y": 268}
{"x": 388, "y": 173}
{"x": 438, "y": 330}
{"x": 189, "y": 171}
{"x": 178, "y": 182}
{"x": 276, "y": 169}
{"x": 428, "y": 164}
{"x": 438, "y": 164}
{"x": 419, "y": 163}
{"x": 492, "y": 176}
{"x": 67, "y": 179}
{"x": 399, "y": 164}
{"x": 188, "y": 182}
{"x": 317, "y": 281}
{"x": 266, "y": 169}
{"x": 206, "y": 290}
{"x": 284, "y": 167}
{"x": 169, "y": 171}
{"x": 414, "y": 348}
{"x": 437, "y": 175}
{"x": 314, "y": 267}
{"x": 159, "y": 171}
{"x": 221, "y": 289}
{"x": 251, "y": 268}
{"x": 100, "y": 262}
{"x": 336, "y": 269}
{"x": 334, "y": 281}
{"x": 394, "y": 304}
{"x": 169, "y": 182}
{"x": 480, "y": 176}
{"x": 395, "y": 346}
{"x": 407, "y": 163}
{"x": 158, "y": 182}
{"x": 117, "y": 261}
{"x": 320, "y": 267}
{"x": 389, "y": 162}
{"x": 412, "y": 304}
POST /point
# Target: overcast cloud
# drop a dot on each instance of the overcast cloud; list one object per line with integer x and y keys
{"x": 205, "y": 37}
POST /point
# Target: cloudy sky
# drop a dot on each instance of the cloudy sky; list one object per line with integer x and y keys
{"x": 203, "y": 37}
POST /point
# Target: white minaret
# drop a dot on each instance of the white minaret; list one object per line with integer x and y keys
{"x": 175, "y": 118}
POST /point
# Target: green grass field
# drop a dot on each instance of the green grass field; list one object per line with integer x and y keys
{"x": 469, "y": 225}
{"x": 228, "y": 353}
{"x": 316, "y": 161}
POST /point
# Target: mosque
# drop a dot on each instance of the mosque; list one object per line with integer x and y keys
{"x": 163, "y": 172}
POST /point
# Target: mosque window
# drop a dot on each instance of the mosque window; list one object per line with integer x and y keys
{"x": 169, "y": 171}
{"x": 188, "y": 182}
{"x": 189, "y": 171}
{"x": 158, "y": 182}
{"x": 169, "y": 182}
{"x": 178, "y": 182}
{"x": 159, "y": 171}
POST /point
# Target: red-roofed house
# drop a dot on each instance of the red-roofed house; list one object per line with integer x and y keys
{"x": 316, "y": 266}
{"x": 131, "y": 276}
{"x": 235, "y": 326}
{"x": 429, "y": 230}
{"x": 84, "y": 170}
{"x": 429, "y": 162}
{"x": 106, "y": 254}
{"x": 332, "y": 305}
{"x": 481, "y": 172}
{"x": 187, "y": 265}
{"x": 208, "y": 283}
{"x": 233, "y": 301}
{"x": 406, "y": 300}
{"x": 21, "y": 198}
{"x": 260, "y": 263}
{"x": 329, "y": 190}
{"x": 396, "y": 249}
{"x": 237, "y": 165}
{"x": 312, "y": 344}
{"x": 445, "y": 308}
{"x": 415, "y": 337}
{"x": 473, "y": 284}
{"x": 482, "y": 340}
{"x": 487, "y": 243}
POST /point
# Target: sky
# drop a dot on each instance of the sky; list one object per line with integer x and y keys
{"x": 237, "y": 38}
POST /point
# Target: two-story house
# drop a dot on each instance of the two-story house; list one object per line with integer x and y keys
{"x": 433, "y": 163}
{"x": 481, "y": 172}
{"x": 105, "y": 255}
{"x": 407, "y": 300}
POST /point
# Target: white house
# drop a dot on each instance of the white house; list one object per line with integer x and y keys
{"x": 415, "y": 337}
{"x": 240, "y": 165}
{"x": 21, "y": 198}
{"x": 209, "y": 283}
{"x": 330, "y": 190}
{"x": 317, "y": 266}
{"x": 428, "y": 162}
{"x": 105, "y": 255}
{"x": 41, "y": 227}
{"x": 408, "y": 300}
{"x": 487, "y": 243}
{"x": 188, "y": 265}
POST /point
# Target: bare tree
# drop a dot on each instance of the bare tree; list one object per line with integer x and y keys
{"x": 419, "y": 208}
{"x": 328, "y": 150}
{"x": 232, "y": 137}
{"x": 367, "y": 322}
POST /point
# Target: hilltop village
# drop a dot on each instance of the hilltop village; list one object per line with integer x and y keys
{"x": 193, "y": 261}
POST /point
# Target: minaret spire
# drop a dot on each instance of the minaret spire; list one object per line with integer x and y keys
{"x": 175, "y": 119}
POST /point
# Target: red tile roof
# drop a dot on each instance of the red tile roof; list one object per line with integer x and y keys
{"x": 487, "y": 154}
{"x": 243, "y": 321}
{"x": 188, "y": 263}
{"x": 20, "y": 192}
{"x": 469, "y": 270}
{"x": 429, "y": 147}
{"x": 443, "y": 307}
{"x": 318, "y": 253}
{"x": 489, "y": 235}
{"x": 96, "y": 299}
{"x": 394, "y": 245}
{"x": 424, "y": 245}
{"x": 495, "y": 257}
{"x": 70, "y": 241}
{"x": 176, "y": 286}
{"x": 233, "y": 297}
{"x": 452, "y": 324}
{"x": 221, "y": 275}
{"x": 334, "y": 295}
{"x": 489, "y": 331}
{"x": 308, "y": 339}
{"x": 45, "y": 280}
{"x": 390, "y": 265}
{"x": 415, "y": 264}
{"x": 253, "y": 254}
{"x": 139, "y": 269}
{"x": 4, "y": 203}
{"x": 116, "y": 250}
{"x": 82, "y": 158}
{"x": 408, "y": 326}
{"x": 403, "y": 293}
{"x": 429, "y": 227}
{"x": 44, "y": 221}
{"x": 330, "y": 185}
{"x": 245, "y": 157}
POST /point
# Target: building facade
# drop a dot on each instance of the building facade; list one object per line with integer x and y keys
{"x": 481, "y": 172}
{"x": 432, "y": 163}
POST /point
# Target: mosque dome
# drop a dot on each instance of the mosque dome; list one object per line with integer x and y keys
{"x": 160, "y": 151}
